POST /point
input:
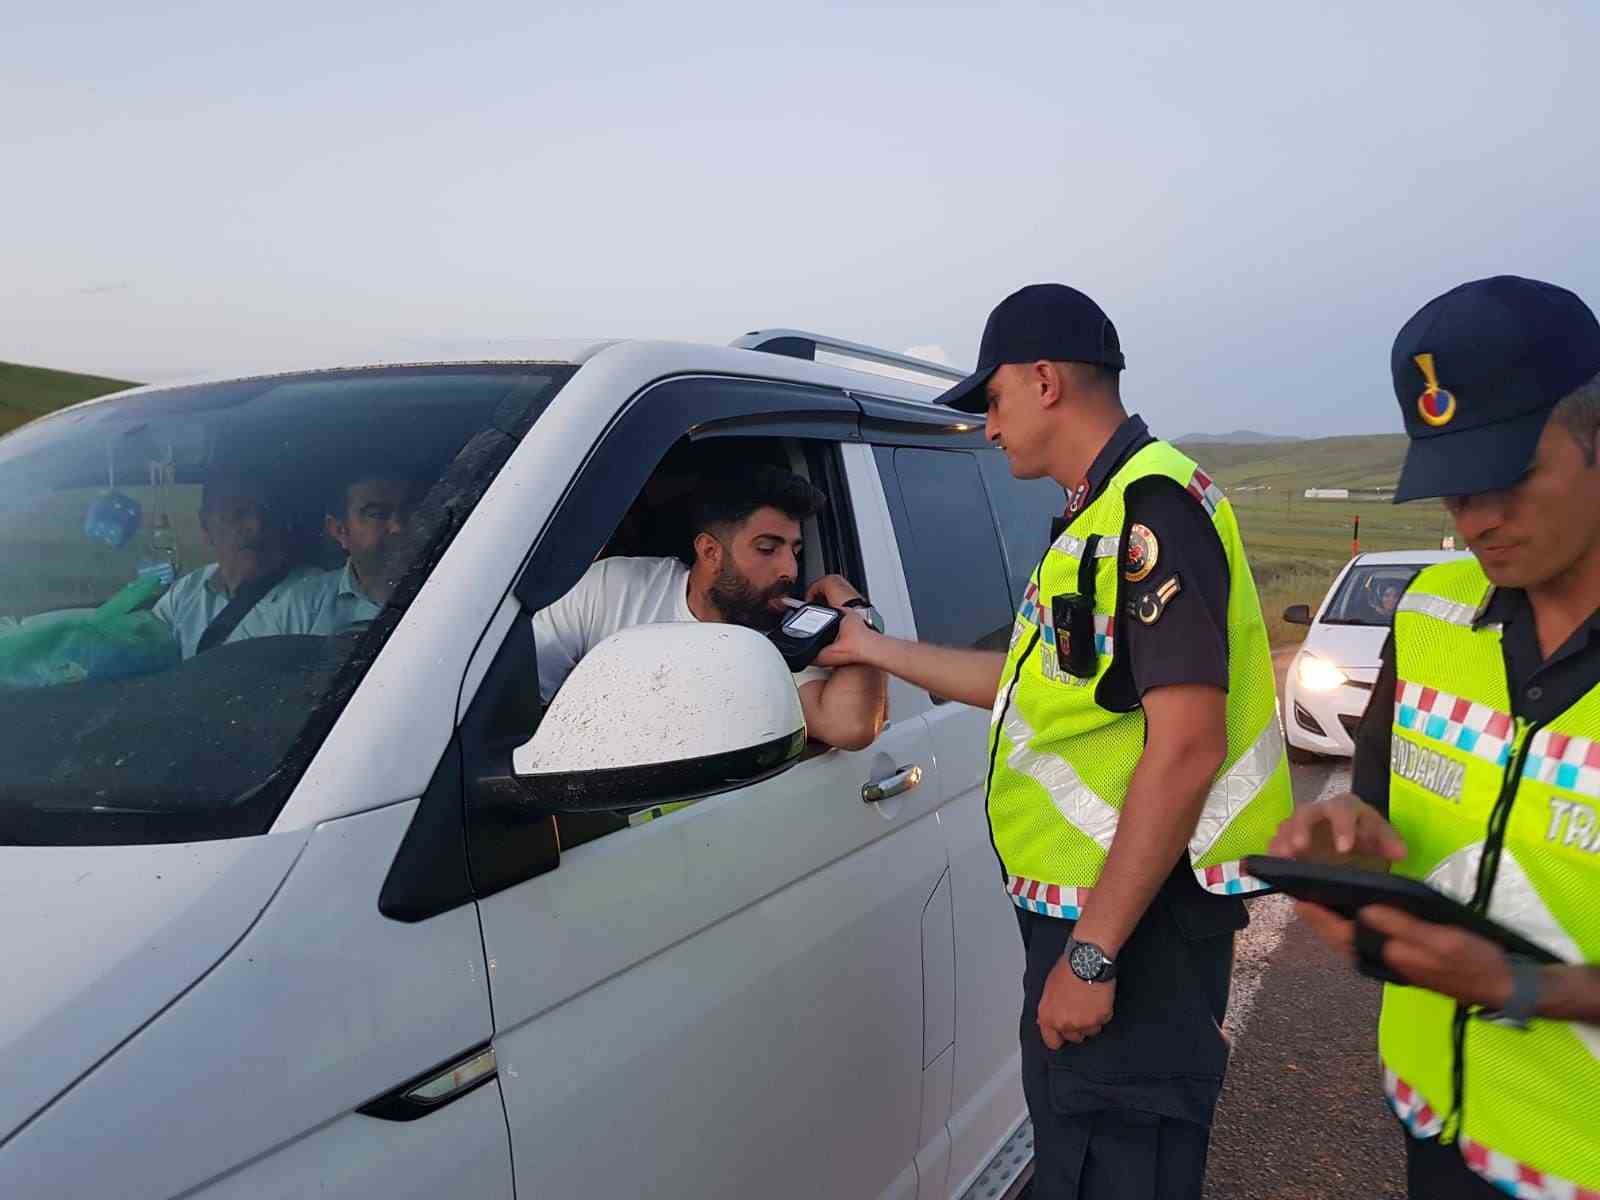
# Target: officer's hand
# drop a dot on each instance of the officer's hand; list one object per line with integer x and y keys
{"x": 1071, "y": 1010}
{"x": 1337, "y": 931}
{"x": 1441, "y": 958}
{"x": 1342, "y": 827}
{"x": 851, "y": 645}
{"x": 832, "y": 590}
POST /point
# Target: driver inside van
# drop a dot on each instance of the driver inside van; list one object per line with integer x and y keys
{"x": 205, "y": 607}
{"x": 743, "y": 559}
{"x": 368, "y": 517}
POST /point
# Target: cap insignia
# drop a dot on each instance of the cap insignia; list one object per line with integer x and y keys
{"x": 1436, "y": 406}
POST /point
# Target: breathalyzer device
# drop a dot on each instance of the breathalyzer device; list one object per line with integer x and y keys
{"x": 805, "y": 632}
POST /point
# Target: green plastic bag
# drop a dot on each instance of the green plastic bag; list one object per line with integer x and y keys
{"x": 120, "y": 638}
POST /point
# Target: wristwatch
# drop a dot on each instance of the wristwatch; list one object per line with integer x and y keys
{"x": 1088, "y": 962}
{"x": 869, "y": 614}
{"x": 1527, "y": 982}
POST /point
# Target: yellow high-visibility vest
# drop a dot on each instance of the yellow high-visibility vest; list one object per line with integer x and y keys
{"x": 1062, "y": 763}
{"x": 1469, "y": 781}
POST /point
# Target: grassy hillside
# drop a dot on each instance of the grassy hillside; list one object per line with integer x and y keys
{"x": 29, "y": 392}
{"x": 1368, "y": 461}
{"x": 1296, "y": 546}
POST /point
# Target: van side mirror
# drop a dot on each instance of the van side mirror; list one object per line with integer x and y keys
{"x": 1298, "y": 614}
{"x": 658, "y": 714}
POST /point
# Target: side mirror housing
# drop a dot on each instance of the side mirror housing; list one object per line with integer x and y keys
{"x": 1298, "y": 614}
{"x": 658, "y": 714}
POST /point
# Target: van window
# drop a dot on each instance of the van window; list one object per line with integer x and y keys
{"x": 953, "y": 561}
{"x": 194, "y": 579}
{"x": 656, "y": 527}
{"x": 1023, "y": 509}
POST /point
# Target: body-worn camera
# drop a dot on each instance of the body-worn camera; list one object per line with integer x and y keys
{"x": 1072, "y": 618}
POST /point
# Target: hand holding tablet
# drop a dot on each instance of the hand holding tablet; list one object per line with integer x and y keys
{"x": 1347, "y": 891}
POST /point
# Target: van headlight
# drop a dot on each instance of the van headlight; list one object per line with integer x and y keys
{"x": 1318, "y": 674}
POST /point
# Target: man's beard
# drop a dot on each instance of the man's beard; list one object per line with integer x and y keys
{"x": 740, "y": 603}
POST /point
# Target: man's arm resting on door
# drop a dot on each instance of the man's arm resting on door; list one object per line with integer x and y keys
{"x": 848, "y": 708}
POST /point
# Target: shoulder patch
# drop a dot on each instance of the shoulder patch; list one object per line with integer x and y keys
{"x": 1152, "y": 604}
{"x": 1140, "y": 556}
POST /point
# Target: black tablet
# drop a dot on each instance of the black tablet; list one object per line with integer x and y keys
{"x": 1346, "y": 891}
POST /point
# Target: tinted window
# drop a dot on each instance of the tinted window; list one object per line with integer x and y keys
{"x": 131, "y": 527}
{"x": 953, "y": 561}
{"x": 1024, "y": 509}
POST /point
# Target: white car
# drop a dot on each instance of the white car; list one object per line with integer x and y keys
{"x": 341, "y": 909}
{"x": 1330, "y": 679}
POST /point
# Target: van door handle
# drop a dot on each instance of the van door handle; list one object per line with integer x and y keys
{"x": 898, "y": 784}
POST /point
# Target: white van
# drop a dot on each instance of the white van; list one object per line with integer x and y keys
{"x": 341, "y": 914}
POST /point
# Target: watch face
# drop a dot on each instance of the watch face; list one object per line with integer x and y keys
{"x": 1086, "y": 961}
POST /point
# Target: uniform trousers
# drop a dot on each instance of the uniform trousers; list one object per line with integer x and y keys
{"x": 1435, "y": 1171}
{"x": 1126, "y": 1115}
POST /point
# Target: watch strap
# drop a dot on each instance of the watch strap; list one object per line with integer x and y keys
{"x": 869, "y": 614}
{"x": 1527, "y": 984}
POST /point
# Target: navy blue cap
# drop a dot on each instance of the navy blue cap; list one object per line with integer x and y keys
{"x": 1477, "y": 372}
{"x": 1043, "y": 322}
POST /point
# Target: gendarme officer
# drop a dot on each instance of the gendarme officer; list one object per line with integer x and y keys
{"x": 1135, "y": 757}
{"x": 1477, "y": 764}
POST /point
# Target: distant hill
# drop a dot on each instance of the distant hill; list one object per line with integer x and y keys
{"x": 1239, "y": 437}
{"x": 29, "y": 392}
{"x": 1369, "y": 461}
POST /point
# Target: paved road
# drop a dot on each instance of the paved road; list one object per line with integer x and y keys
{"x": 1302, "y": 1117}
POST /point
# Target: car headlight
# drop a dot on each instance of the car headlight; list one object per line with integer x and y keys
{"x": 1318, "y": 674}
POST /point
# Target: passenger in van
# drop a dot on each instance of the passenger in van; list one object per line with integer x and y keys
{"x": 368, "y": 517}
{"x": 205, "y": 607}
{"x": 743, "y": 559}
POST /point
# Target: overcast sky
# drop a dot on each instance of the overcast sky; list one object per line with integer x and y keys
{"x": 1259, "y": 194}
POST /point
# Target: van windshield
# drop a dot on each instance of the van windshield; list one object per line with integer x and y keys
{"x": 194, "y": 579}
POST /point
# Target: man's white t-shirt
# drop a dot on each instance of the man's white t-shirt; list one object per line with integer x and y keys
{"x": 615, "y": 593}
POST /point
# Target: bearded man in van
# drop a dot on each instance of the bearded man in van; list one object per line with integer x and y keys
{"x": 742, "y": 561}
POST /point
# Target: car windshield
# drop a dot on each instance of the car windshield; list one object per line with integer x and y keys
{"x": 1369, "y": 594}
{"x": 194, "y": 579}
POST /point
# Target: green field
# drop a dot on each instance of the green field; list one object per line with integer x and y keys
{"x": 29, "y": 392}
{"x": 1297, "y": 545}
{"x": 1372, "y": 460}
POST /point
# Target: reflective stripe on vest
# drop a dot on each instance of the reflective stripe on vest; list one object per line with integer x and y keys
{"x": 1062, "y": 764}
{"x": 1528, "y": 1114}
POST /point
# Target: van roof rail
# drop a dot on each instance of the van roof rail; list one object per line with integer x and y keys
{"x": 797, "y": 343}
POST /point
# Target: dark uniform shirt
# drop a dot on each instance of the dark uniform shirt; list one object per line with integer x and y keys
{"x": 1540, "y": 688}
{"x": 1189, "y": 642}
{"x": 1163, "y": 1053}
